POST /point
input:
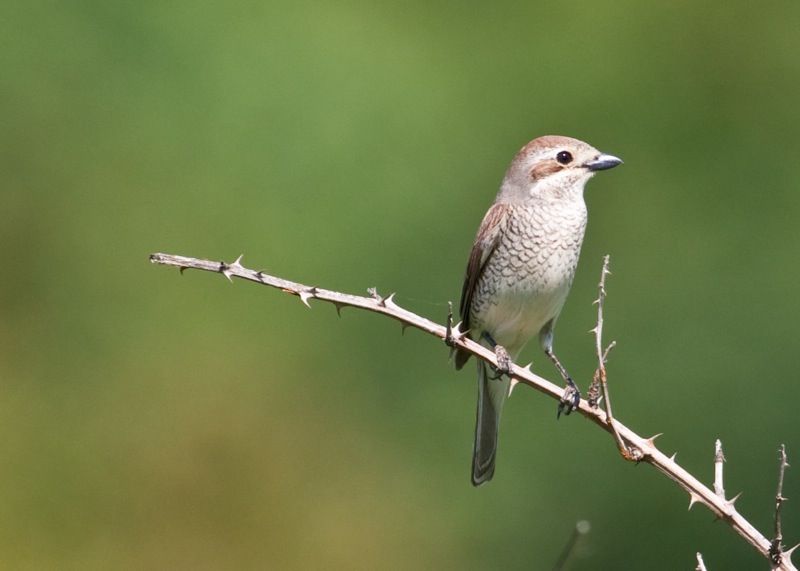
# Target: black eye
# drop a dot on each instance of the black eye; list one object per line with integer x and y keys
{"x": 564, "y": 157}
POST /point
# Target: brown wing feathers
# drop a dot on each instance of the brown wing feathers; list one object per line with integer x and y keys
{"x": 482, "y": 249}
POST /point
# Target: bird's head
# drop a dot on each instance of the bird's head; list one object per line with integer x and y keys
{"x": 553, "y": 166}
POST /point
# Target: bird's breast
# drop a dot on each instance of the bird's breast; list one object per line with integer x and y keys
{"x": 525, "y": 281}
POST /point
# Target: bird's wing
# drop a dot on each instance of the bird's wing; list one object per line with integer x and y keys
{"x": 485, "y": 243}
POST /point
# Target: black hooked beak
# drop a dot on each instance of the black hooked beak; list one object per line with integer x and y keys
{"x": 602, "y": 162}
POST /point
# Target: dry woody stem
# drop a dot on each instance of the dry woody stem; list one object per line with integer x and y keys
{"x": 776, "y": 551}
{"x": 719, "y": 460}
{"x": 701, "y": 565}
{"x": 644, "y": 448}
{"x": 600, "y": 375}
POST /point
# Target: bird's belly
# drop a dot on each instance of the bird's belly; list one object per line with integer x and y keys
{"x": 526, "y": 280}
{"x": 520, "y": 312}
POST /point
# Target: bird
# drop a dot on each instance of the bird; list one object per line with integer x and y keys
{"x": 520, "y": 270}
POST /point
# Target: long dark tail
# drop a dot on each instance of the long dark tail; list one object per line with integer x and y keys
{"x": 492, "y": 394}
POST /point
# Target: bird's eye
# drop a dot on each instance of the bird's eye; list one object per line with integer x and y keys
{"x": 564, "y": 157}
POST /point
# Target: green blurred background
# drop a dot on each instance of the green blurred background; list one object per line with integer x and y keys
{"x": 158, "y": 421}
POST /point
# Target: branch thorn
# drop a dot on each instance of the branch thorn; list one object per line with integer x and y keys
{"x": 389, "y": 301}
{"x": 652, "y": 439}
{"x": 305, "y": 295}
{"x": 701, "y": 565}
{"x": 608, "y": 350}
{"x": 732, "y": 501}
{"x": 227, "y": 269}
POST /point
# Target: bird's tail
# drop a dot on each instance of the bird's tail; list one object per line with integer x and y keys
{"x": 492, "y": 394}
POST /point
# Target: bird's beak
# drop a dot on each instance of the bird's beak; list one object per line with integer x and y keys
{"x": 602, "y": 162}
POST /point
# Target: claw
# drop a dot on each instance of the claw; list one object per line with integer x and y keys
{"x": 569, "y": 401}
{"x": 503, "y": 362}
{"x": 389, "y": 303}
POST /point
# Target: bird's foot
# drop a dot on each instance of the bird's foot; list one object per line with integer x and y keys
{"x": 570, "y": 400}
{"x": 503, "y": 362}
{"x": 501, "y": 355}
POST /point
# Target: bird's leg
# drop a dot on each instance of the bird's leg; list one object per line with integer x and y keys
{"x": 572, "y": 396}
{"x": 503, "y": 358}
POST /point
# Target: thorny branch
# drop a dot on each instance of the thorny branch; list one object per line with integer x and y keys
{"x": 644, "y": 447}
{"x": 600, "y": 377}
{"x": 701, "y": 565}
{"x": 776, "y": 550}
{"x": 719, "y": 460}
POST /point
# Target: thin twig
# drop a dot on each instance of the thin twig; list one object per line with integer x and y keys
{"x": 600, "y": 377}
{"x": 386, "y": 306}
{"x": 581, "y": 528}
{"x": 719, "y": 460}
{"x": 449, "y": 333}
{"x": 701, "y": 566}
{"x": 776, "y": 551}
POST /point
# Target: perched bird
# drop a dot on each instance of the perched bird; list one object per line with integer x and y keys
{"x": 520, "y": 271}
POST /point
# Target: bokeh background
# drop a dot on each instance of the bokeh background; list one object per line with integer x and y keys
{"x": 153, "y": 420}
